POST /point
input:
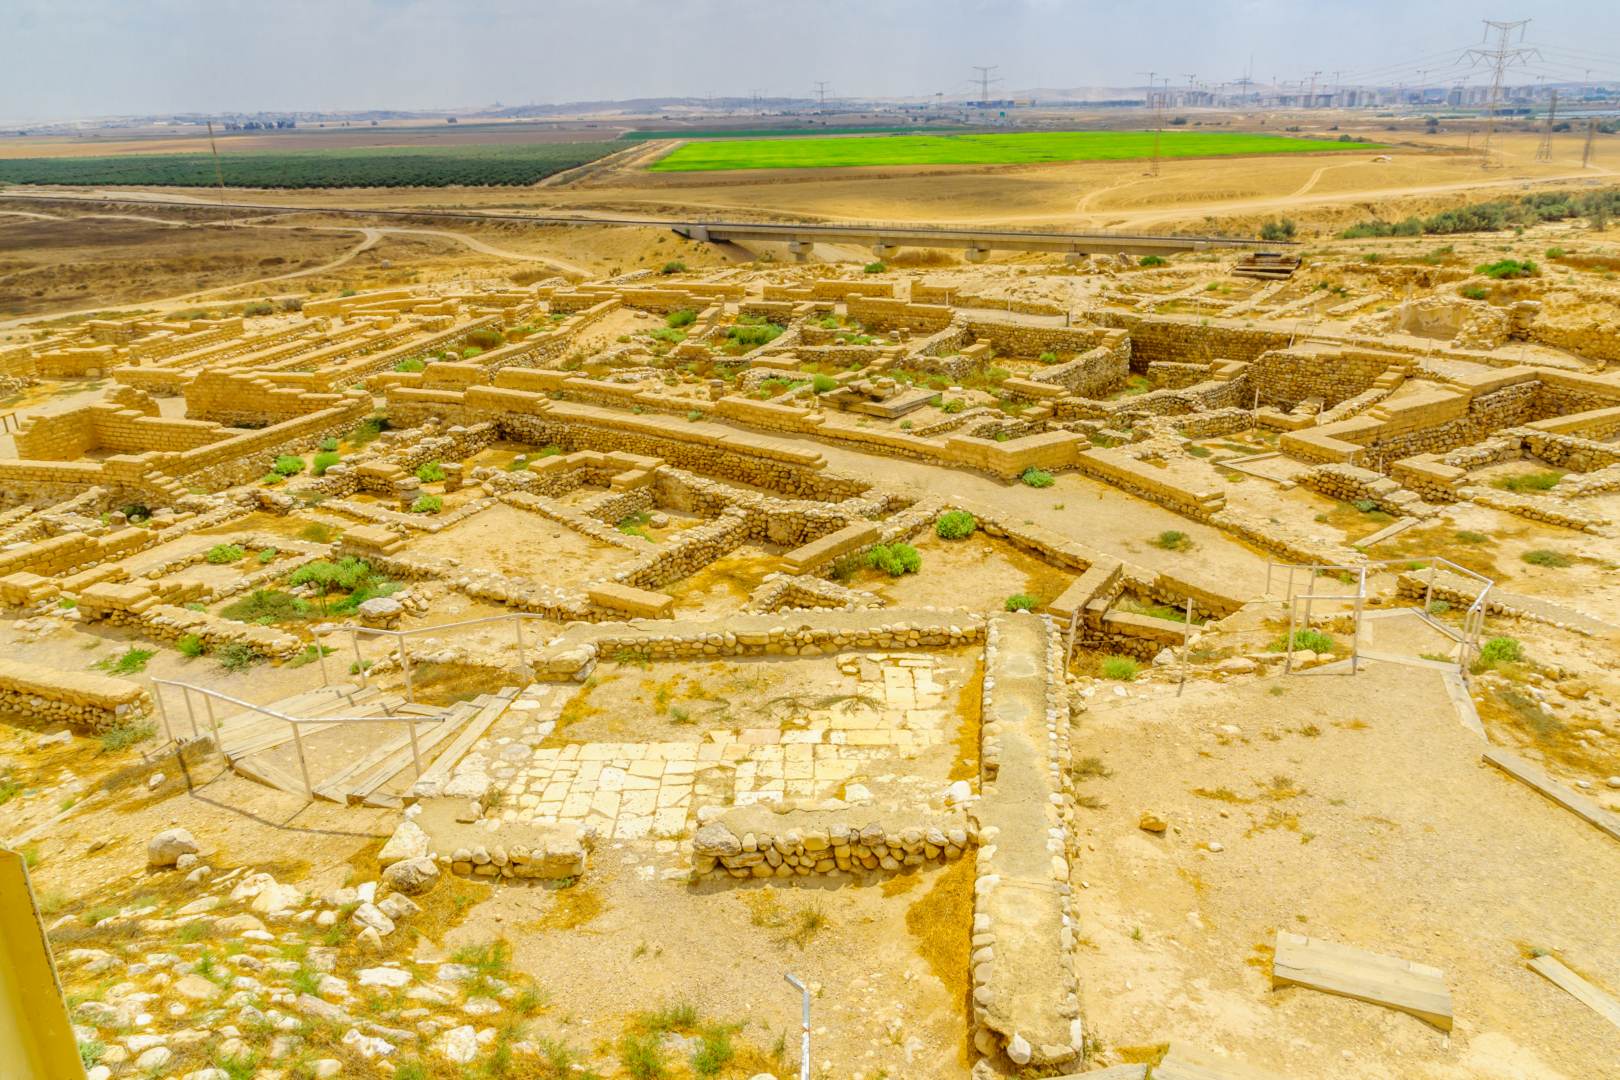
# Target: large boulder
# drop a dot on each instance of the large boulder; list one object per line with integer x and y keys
{"x": 408, "y": 842}
{"x": 413, "y": 876}
{"x": 165, "y": 849}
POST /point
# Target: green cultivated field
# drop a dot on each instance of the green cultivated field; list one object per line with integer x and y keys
{"x": 763, "y": 133}
{"x": 979, "y": 149}
{"x": 378, "y": 166}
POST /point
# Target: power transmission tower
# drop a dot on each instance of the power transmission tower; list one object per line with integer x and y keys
{"x": 219, "y": 174}
{"x": 1500, "y": 59}
{"x": 821, "y": 91}
{"x": 1310, "y": 98}
{"x": 984, "y": 80}
{"x": 1544, "y": 151}
{"x": 1156, "y": 103}
{"x": 1591, "y": 136}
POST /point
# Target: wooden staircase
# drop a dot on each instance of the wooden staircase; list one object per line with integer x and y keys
{"x": 374, "y": 763}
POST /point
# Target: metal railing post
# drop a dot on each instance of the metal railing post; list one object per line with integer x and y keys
{"x": 213, "y": 724}
{"x": 405, "y": 666}
{"x": 1428, "y": 594}
{"x": 191, "y": 711}
{"x": 804, "y": 1026}
{"x": 416, "y": 751}
{"x": 359, "y": 661}
{"x": 1288, "y": 642}
{"x": 517, "y": 622}
{"x": 163, "y": 712}
{"x": 1355, "y": 634}
{"x": 320, "y": 654}
{"x": 303, "y": 764}
{"x": 1186, "y": 638}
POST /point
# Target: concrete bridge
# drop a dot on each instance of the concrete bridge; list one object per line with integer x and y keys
{"x": 885, "y": 240}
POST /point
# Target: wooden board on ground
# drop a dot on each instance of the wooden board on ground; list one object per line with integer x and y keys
{"x": 1113, "y": 1072}
{"x": 1182, "y": 1062}
{"x": 1534, "y": 776}
{"x": 1366, "y": 976}
{"x": 1600, "y": 1002}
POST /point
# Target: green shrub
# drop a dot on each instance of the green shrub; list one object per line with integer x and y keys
{"x": 875, "y": 268}
{"x": 1536, "y": 481}
{"x": 288, "y": 465}
{"x": 674, "y": 266}
{"x": 668, "y": 335}
{"x": 427, "y": 504}
{"x": 953, "y": 405}
{"x": 1021, "y": 602}
{"x": 1278, "y": 231}
{"x": 752, "y": 335}
{"x": 486, "y": 337}
{"x": 1308, "y": 638}
{"x": 694, "y": 415}
{"x": 325, "y": 460}
{"x": 223, "y": 554}
{"x": 1037, "y": 478}
{"x": 1500, "y": 650}
{"x": 125, "y": 735}
{"x": 266, "y": 556}
{"x": 130, "y": 662}
{"x": 1546, "y": 557}
{"x": 1048, "y": 358}
{"x": 329, "y": 444}
{"x": 1476, "y": 292}
{"x": 1556, "y": 253}
{"x": 191, "y": 645}
{"x": 894, "y": 559}
{"x": 1153, "y": 260}
{"x": 1172, "y": 540}
{"x": 369, "y": 429}
{"x": 679, "y": 318}
{"x": 714, "y": 1051}
{"x": 1465, "y": 536}
{"x": 643, "y": 1056}
{"x": 1507, "y": 268}
{"x": 1119, "y": 667}
{"x": 955, "y": 525}
{"x": 237, "y": 656}
{"x": 265, "y": 606}
{"x": 430, "y": 472}
{"x": 411, "y": 364}
{"x": 823, "y": 383}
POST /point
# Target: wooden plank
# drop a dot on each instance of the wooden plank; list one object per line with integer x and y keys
{"x": 1585, "y": 992}
{"x": 1332, "y": 968}
{"x": 387, "y": 766}
{"x": 1182, "y": 1062}
{"x": 1534, "y": 776}
{"x": 1463, "y": 702}
{"x": 270, "y": 776}
{"x": 470, "y": 734}
{"x": 1114, "y": 1072}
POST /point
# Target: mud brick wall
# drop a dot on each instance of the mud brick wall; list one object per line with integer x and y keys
{"x": 1285, "y": 377}
{"x": 878, "y": 313}
{"x": 161, "y": 345}
{"x": 253, "y": 399}
{"x": 1187, "y": 339}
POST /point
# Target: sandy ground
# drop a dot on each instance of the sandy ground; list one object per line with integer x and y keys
{"x": 1344, "y": 818}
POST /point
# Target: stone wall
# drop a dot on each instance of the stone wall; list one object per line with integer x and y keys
{"x": 762, "y": 842}
{"x": 85, "y": 701}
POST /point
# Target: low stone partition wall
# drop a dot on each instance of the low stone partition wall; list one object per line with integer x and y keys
{"x": 75, "y": 551}
{"x": 1215, "y": 423}
{"x": 83, "y": 700}
{"x": 1189, "y": 338}
{"x": 143, "y": 605}
{"x": 801, "y": 633}
{"x": 1025, "y": 995}
{"x": 1428, "y": 476}
{"x": 1575, "y": 453}
{"x": 485, "y": 847}
{"x": 1548, "y": 509}
{"x": 563, "y": 515}
{"x": 766, "y": 841}
{"x": 882, "y": 314}
{"x": 791, "y": 592}
{"x": 1092, "y": 374}
{"x": 1120, "y": 469}
{"x": 688, "y": 551}
{"x": 1349, "y": 483}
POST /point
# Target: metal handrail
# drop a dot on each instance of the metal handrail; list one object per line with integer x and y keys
{"x": 515, "y": 617}
{"x": 208, "y": 696}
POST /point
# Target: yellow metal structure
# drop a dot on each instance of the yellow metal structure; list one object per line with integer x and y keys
{"x": 36, "y": 1037}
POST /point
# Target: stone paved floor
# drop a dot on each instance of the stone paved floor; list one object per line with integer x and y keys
{"x": 633, "y": 791}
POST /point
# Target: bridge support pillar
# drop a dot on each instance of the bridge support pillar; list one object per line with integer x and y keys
{"x": 698, "y": 233}
{"x": 883, "y": 250}
{"x": 1076, "y": 258}
{"x": 977, "y": 255}
{"x": 800, "y": 249}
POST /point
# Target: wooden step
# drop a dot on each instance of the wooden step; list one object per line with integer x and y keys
{"x": 336, "y": 787}
{"x": 470, "y": 733}
{"x": 368, "y": 789}
{"x": 279, "y": 732}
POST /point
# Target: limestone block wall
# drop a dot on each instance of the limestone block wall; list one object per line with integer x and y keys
{"x": 74, "y": 363}
{"x": 75, "y": 551}
{"x": 1093, "y": 373}
{"x": 762, "y": 842}
{"x": 1029, "y": 341}
{"x": 1349, "y": 483}
{"x": 85, "y": 701}
{"x": 1285, "y": 377}
{"x": 881, "y": 314}
{"x": 247, "y": 398}
{"x": 1189, "y": 339}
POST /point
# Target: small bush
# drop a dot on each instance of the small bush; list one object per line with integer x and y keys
{"x": 1501, "y": 650}
{"x": 237, "y": 656}
{"x": 1476, "y": 292}
{"x": 1507, "y": 268}
{"x": 126, "y": 735}
{"x": 694, "y": 415}
{"x": 412, "y": 364}
{"x": 325, "y": 460}
{"x": 875, "y": 268}
{"x": 1021, "y": 602}
{"x": 679, "y": 318}
{"x": 1556, "y": 253}
{"x": 643, "y": 1056}
{"x": 329, "y": 444}
{"x": 1311, "y": 639}
{"x": 823, "y": 383}
{"x": 894, "y": 559}
{"x": 130, "y": 662}
{"x": 1277, "y": 231}
{"x": 430, "y": 472}
{"x": 1153, "y": 260}
{"x": 753, "y": 335}
{"x": 1465, "y": 536}
{"x": 191, "y": 645}
{"x": 1048, "y": 358}
{"x": 224, "y": 554}
{"x": 1119, "y": 667}
{"x": 955, "y": 525}
{"x": 1037, "y": 478}
{"x": 265, "y": 606}
{"x": 1172, "y": 540}
{"x": 674, "y": 266}
{"x": 427, "y": 504}
{"x": 1546, "y": 557}
{"x": 953, "y": 405}
{"x": 288, "y": 465}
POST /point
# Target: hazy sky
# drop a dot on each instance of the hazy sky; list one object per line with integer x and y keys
{"x": 70, "y": 58}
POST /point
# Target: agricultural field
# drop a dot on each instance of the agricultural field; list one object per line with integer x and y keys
{"x": 999, "y": 149}
{"x": 391, "y": 166}
{"x": 764, "y": 133}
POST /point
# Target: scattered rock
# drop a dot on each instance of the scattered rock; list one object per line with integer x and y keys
{"x": 1236, "y": 665}
{"x": 155, "y": 1059}
{"x": 1152, "y": 823}
{"x": 412, "y": 876}
{"x": 195, "y": 987}
{"x": 164, "y": 849}
{"x": 384, "y": 976}
{"x": 459, "y": 1044}
{"x": 1019, "y": 1050}
{"x": 371, "y": 917}
{"x": 408, "y": 842}
{"x": 398, "y": 907}
{"x": 155, "y": 781}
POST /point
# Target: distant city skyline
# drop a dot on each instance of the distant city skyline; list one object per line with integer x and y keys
{"x": 72, "y": 59}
